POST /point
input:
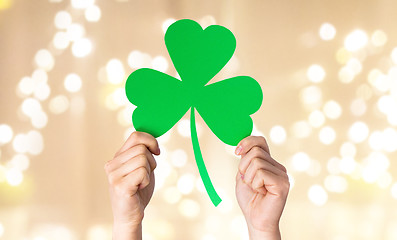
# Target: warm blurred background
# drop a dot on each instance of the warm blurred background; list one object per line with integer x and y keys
{"x": 328, "y": 70}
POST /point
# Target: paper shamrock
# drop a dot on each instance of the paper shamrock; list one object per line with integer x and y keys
{"x": 198, "y": 55}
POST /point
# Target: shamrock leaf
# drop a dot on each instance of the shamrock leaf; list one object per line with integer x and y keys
{"x": 198, "y": 55}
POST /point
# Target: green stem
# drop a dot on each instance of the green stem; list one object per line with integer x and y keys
{"x": 200, "y": 162}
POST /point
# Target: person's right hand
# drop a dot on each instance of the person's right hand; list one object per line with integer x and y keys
{"x": 131, "y": 180}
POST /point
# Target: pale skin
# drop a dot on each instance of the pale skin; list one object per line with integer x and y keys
{"x": 261, "y": 186}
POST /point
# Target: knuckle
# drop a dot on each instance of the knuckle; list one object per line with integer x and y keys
{"x": 257, "y": 151}
{"x": 136, "y": 136}
{"x": 111, "y": 178}
{"x": 256, "y": 162}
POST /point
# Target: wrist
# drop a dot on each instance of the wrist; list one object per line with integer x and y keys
{"x": 127, "y": 231}
{"x": 270, "y": 233}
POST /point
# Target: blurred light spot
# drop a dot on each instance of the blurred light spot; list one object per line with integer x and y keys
{"x": 189, "y": 208}
{"x": 358, "y": 132}
{"x": 62, "y": 20}
{"x": 72, "y": 82}
{"x": 226, "y": 205}
{"x": 14, "y": 177}
{"x": 336, "y": 184}
{"x": 172, "y": 195}
{"x": 332, "y": 109}
{"x": 75, "y": 32}
{"x": 124, "y": 116}
{"x": 316, "y": 119}
{"x": 389, "y": 140}
{"x": 167, "y": 23}
{"x": 301, "y": 129}
{"x": 99, "y": 232}
{"x": 34, "y": 142}
{"x": 346, "y": 75}
{"x": 82, "y": 4}
{"x": 394, "y": 55}
{"x": 6, "y": 134}
{"x": 314, "y": 169}
{"x": 42, "y": 91}
{"x": 200, "y": 186}
{"x": 384, "y": 180}
{"x": 93, "y": 13}
{"x": 44, "y": 59}
{"x": 348, "y": 149}
{"x": 159, "y": 63}
{"x": 382, "y": 83}
{"x": 81, "y": 47}
{"x": 327, "y": 135}
{"x": 184, "y": 128}
{"x": 356, "y": 40}
{"x": 39, "y": 76}
{"x": 30, "y": 107}
{"x": 278, "y": 134}
{"x": 20, "y": 162}
{"x": 386, "y": 104}
{"x": 342, "y": 56}
{"x": 20, "y": 143}
{"x": 333, "y": 165}
{"x": 186, "y": 183}
{"x": 60, "y": 40}
{"x": 311, "y": 96}
{"x": 327, "y": 31}
{"x": 375, "y": 165}
{"x": 59, "y": 104}
{"x": 375, "y": 140}
{"x": 378, "y": 38}
{"x": 206, "y": 21}
{"x": 135, "y": 59}
{"x": 115, "y": 71}
{"x": 394, "y": 190}
{"x": 347, "y": 165}
{"x": 316, "y": 73}
{"x": 301, "y": 161}
{"x": 355, "y": 65}
{"x": 39, "y": 119}
{"x": 364, "y": 91}
{"x": 358, "y": 107}
{"x": 179, "y": 158}
{"x": 317, "y": 195}
{"x": 26, "y": 86}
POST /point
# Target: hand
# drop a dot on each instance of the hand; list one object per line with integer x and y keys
{"x": 261, "y": 188}
{"x": 131, "y": 183}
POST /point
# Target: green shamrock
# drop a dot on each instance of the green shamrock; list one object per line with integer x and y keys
{"x": 198, "y": 55}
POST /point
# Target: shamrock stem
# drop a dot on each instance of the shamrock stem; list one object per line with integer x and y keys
{"x": 200, "y": 162}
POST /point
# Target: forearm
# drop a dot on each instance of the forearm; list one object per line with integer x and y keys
{"x": 127, "y": 232}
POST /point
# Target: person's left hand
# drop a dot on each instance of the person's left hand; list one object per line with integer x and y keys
{"x": 262, "y": 187}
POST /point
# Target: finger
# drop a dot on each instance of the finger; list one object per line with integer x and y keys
{"x": 128, "y": 167}
{"x": 258, "y": 163}
{"x": 139, "y": 149}
{"x": 273, "y": 184}
{"x": 135, "y": 180}
{"x": 141, "y": 138}
{"x": 257, "y": 152}
{"x": 249, "y": 142}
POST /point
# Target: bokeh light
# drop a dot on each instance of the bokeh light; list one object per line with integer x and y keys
{"x": 327, "y": 31}
{"x": 72, "y": 82}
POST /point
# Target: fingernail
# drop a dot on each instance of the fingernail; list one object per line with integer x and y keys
{"x": 238, "y": 150}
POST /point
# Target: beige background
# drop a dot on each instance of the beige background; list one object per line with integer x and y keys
{"x": 63, "y": 193}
